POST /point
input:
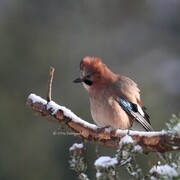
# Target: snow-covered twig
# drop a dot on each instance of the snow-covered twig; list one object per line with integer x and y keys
{"x": 149, "y": 141}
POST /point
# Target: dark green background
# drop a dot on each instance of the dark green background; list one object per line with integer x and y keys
{"x": 140, "y": 39}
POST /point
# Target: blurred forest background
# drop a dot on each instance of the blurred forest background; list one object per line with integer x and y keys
{"x": 140, "y": 39}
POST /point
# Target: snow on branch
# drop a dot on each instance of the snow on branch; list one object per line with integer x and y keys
{"x": 149, "y": 141}
{"x": 162, "y": 141}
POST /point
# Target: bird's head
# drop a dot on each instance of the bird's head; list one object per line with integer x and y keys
{"x": 92, "y": 71}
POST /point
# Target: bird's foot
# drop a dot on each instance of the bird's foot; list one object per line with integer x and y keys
{"x": 105, "y": 129}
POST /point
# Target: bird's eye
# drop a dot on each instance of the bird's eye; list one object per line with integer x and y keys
{"x": 88, "y": 82}
{"x": 88, "y": 76}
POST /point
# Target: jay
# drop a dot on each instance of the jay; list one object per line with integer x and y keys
{"x": 114, "y": 99}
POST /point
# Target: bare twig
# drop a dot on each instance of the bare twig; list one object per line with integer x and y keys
{"x": 49, "y": 89}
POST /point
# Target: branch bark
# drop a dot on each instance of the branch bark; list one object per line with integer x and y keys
{"x": 149, "y": 141}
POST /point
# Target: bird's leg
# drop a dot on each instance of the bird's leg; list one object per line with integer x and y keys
{"x": 129, "y": 129}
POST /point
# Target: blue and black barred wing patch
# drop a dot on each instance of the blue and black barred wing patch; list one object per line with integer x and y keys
{"x": 136, "y": 112}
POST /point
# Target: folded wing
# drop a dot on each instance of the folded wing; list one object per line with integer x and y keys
{"x": 141, "y": 118}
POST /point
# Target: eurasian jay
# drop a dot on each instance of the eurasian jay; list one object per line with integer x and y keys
{"x": 114, "y": 99}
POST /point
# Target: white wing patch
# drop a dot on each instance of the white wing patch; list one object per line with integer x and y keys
{"x": 136, "y": 113}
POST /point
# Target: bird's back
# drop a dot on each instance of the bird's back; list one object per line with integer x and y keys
{"x": 128, "y": 96}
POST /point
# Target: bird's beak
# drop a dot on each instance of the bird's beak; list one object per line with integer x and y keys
{"x": 78, "y": 80}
